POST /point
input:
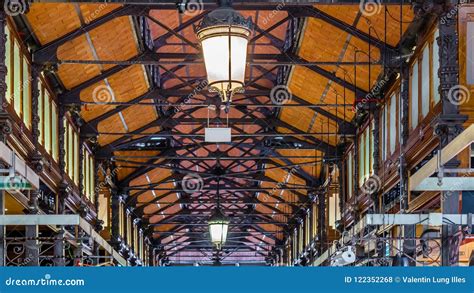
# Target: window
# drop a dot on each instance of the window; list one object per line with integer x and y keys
{"x": 8, "y": 62}
{"x": 48, "y": 125}
{"x": 435, "y": 77}
{"x": 307, "y": 228}
{"x": 16, "y": 71}
{"x": 295, "y": 244}
{"x": 361, "y": 159}
{"x": 26, "y": 110}
{"x": 300, "y": 238}
{"x": 425, "y": 81}
{"x": 41, "y": 125}
{"x": 18, "y": 79}
{"x": 469, "y": 52}
{"x": 72, "y": 152}
{"x": 384, "y": 136}
{"x": 314, "y": 218}
{"x": 88, "y": 178}
{"x": 366, "y": 152}
{"x": 54, "y": 131}
{"x": 76, "y": 157}
{"x": 121, "y": 219}
{"x": 414, "y": 96}
{"x": 350, "y": 174}
{"x": 47, "y": 121}
{"x": 393, "y": 122}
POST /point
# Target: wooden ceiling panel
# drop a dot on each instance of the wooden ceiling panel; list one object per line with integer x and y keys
{"x": 312, "y": 169}
{"x": 345, "y": 13}
{"x": 138, "y": 116}
{"x": 376, "y": 23}
{"x": 77, "y": 48}
{"x": 375, "y": 18}
{"x": 298, "y": 117}
{"x": 306, "y": 84}
{"x": 115, "y": 40}
{"x": 92, "y": 11}
{"x": 163, "y": 228}
{"x": 112, "y": 124}
{"x": 158, "y": 174}
{"x": 135, "y": 156}
{"x": 321, "y": 41}
{"x": 50, "y": 21}
{"x": 129, "y": 83}
{"x": 171, "y": 210}
{"x": 170, "y": 18}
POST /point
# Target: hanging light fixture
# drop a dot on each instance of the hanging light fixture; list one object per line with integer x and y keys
{"x": 218, "y": 224}
{"x": 224, "y": 34}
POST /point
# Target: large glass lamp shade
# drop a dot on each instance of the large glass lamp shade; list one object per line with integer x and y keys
{"x": 218, "y": 227}
{"x": 224, "y": 36}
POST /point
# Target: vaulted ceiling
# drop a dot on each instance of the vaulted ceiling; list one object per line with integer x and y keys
{"x": 138, "y": 75}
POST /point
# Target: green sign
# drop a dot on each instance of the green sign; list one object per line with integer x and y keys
{"x": 14, "y": 183}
